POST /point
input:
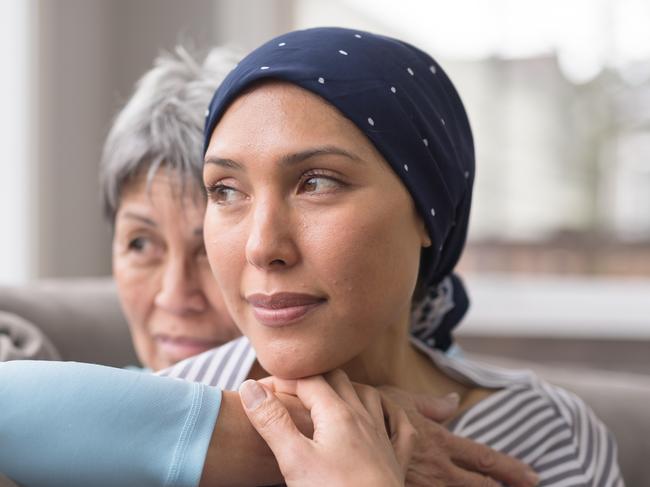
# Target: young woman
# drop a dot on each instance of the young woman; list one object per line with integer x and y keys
{"x": 78, "y": 424}
{"x": 339, "y": 168}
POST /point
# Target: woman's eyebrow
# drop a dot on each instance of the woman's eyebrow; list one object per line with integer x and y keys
{"x": 290, "y": 159}
{"x": 134, "y": 216}
{"x": 220, "y": 161}
{"x": 328, "y": 150}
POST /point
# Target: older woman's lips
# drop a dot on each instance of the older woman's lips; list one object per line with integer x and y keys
{"x": 179, "y": 348}
{"x": 282, "y": 309}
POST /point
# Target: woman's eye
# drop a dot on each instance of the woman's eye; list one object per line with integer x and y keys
{"x": 222, "y": 194}
{"x": 320, "y": 184}
{"x": 144, "y": 250}
{"x": 138, "y": 244}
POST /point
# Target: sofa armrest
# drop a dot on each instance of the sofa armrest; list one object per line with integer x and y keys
{"x": 81, "y": 317}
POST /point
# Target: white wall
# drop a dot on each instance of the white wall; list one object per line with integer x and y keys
{"x": 77, "y": 61}
{"x": 16, "y": 195}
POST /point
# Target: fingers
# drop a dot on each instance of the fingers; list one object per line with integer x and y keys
{"x": 311, "y": 391}
{"x": 481, "y": 458}
{"x": 332, "y": 390}
{"x": 402, "y": 433}
{"x": 372, "y": 402}
{"x": 271, "y": 419}
{"x": 437, "y": 409}
{"x": 340, "y": 382}
{"x": 470, "y": 479}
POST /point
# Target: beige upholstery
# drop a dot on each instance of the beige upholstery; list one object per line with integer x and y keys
{"x": 83, "y": 320}
{"x": 81, "y": 317}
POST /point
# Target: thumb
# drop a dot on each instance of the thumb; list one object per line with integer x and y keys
{"x": 437, "y": 409}
{"x": 271, "y": 419}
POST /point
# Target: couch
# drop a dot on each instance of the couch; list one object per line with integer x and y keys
{"x": 83, "y": 321}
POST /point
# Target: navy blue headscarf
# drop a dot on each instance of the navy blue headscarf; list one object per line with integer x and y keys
{"x": 403, "y": 101}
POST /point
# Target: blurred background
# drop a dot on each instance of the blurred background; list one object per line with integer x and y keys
{"x": 558, "y": 93}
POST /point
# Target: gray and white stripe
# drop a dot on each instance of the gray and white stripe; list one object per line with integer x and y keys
{"x": 225, "y": 367}
{"x": 548, "y": 428}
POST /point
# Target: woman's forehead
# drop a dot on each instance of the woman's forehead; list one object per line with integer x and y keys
{"x": 294, "y": 120}
{"x": 165, "y": 189}
{"x": 281, "y": 99}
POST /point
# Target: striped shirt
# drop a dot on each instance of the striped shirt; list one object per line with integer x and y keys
{"x": 546, "y": 427}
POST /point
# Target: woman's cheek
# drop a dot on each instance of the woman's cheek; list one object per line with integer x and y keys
{"x": 126, "y": 280}
{"x": 225, "y": 247}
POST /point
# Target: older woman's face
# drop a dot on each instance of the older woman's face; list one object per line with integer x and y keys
{"x": 167, "y": 291}
{"x": 312, "y": 238}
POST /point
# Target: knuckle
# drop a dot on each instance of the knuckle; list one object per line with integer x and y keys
{"x": 486, "y": 459}
{"x": 268, "y": 417}
{"x": 412, "y": 434}
{"x": 440, "y": 437}
{"x": 364, "y": 390}
{"x": 345, "y": 415}
{"x": 338, "y": 374}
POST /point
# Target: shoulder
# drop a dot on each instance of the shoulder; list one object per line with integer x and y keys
{"x": 547, "y": 427}
{"x": 225, "y": 366}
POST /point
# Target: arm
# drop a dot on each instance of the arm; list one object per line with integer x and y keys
{"x": 73, "y": 424}
{"x": 236, "y": 446}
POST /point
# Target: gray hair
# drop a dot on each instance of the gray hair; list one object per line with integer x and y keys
{"x": 162, "y": 123}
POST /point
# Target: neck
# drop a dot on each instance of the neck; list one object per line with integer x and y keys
{"x": 392, "y": 360}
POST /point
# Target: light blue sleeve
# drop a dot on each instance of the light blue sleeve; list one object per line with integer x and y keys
{"x": 71, "y": 424}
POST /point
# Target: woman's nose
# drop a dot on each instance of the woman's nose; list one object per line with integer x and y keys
{"x": 180, "y": 289}
{"x": 270, "y": 244}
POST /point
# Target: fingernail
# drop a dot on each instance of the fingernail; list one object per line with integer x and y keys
{"x": 533, "y": 477}
{"x": 453, "y": 399}
{"x": 252, "y": 394}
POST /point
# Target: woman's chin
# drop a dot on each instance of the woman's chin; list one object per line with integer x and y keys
{"x": 291, "y": 369}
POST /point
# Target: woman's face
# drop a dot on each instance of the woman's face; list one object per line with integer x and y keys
{"x": 167, "y": 291}
{"x": 313, "y": 240}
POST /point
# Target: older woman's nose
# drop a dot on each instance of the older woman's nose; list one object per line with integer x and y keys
{"x": 180, "y": 289}
{"x": 270, "y": 243}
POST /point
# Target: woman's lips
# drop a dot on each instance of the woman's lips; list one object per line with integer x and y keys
{"x": 178, "y": 348}
{"x": 282, "y": 309}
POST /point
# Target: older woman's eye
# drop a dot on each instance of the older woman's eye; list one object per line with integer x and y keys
{"x": 320, "y": 184}
{"x": 138, "y": 244}
{"x": 144, "y": 250}
{"x": 222, "y": 194}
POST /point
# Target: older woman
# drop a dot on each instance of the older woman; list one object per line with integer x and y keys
{"x": 74, "y": 424}
{"x": 339, "y": 167}
{"x": 150, "y": 183}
